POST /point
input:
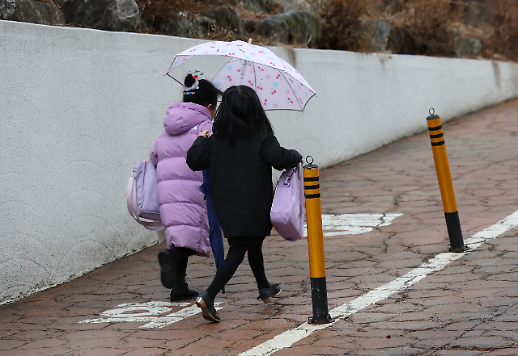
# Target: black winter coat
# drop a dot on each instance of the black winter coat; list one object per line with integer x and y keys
{"x": 241, "y": 178}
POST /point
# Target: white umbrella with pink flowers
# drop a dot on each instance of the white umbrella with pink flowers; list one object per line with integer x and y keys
{"x": 278, "y": 85}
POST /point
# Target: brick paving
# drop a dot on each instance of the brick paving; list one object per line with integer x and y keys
{"x": 468, "y": 308}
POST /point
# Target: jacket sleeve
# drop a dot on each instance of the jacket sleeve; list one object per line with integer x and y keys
{"x": 205, "y": 125}
{"x": 198, "y": 156}
{"x": 153, "y": 156}
{"x": 280, "y": 158}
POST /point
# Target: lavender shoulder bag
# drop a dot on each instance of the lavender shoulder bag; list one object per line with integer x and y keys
{"x": 288, "y": 209}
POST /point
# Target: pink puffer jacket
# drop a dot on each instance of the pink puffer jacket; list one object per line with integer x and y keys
{"x": 183, "y": 209}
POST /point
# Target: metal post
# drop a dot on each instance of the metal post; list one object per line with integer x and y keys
{"x": 445, "y": 182}
{"x": 315, "y": 244}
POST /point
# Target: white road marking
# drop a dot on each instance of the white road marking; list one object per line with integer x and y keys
{"x": 344, "y": 224}
{"x": 352, "y": 224}
{"x": 148, "y": 312}
{"x": 288, "y": 338}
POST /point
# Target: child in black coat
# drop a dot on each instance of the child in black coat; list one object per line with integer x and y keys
{"x": 240, "y": 155}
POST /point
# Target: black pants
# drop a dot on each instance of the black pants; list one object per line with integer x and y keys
{"x": 236, "y": 255}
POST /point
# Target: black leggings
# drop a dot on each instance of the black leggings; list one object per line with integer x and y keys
{"x": 236, "y": 255}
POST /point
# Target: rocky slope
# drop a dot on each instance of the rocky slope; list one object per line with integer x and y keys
{"x": 462, "y": 28}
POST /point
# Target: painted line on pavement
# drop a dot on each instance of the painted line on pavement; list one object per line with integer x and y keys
{"x": 288, "y": 338}
{"x": 149, "y": 312}
{"x": 352, "y": 224}
{"x": 153, "y": 312}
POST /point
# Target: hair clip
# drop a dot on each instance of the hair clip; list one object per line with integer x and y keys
{"x": 194, "y": 86}
{"x": 189, "y": 92}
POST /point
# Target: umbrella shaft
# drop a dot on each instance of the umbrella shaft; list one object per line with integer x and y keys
{"x": 243, "y": 68}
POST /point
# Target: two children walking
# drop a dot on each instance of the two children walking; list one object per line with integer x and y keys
{"x": 240, "y": 150}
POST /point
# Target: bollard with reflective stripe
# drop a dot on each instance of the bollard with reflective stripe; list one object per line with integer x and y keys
{"x": 315, "y": 245}
{"x": 445, "y": 182}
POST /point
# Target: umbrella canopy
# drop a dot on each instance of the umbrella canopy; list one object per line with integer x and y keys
{"x": 278, "y": 85}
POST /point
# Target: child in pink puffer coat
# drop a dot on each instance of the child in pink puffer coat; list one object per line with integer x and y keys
{"x": 183, "y": 209}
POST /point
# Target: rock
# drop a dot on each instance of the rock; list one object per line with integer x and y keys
{"x": 256, "y": 6}
{"x": 111, "y": 15}
{"x": 250, "y": 25}
{"x": 466, "y": 46}
{"x": 227, "y": 18}
{"x": 304, "y": 28}
{"x": 275, "y": 28}
{"x": 381, "y": 32}
{"x": 478, "y": 12}
{"x": 31, "y": 11}
{"x": 291, "y": 5}
{"x": 205, "y": 24}
{"x": 177, "y": 26}
{"x": 182, "y": 26}
{"x": 7, "y": 8}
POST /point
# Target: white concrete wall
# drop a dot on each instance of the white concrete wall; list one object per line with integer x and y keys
{"x": 78, "y": 106}
{"x": 368, "y": 100}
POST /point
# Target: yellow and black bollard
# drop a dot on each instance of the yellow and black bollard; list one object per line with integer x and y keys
{"x": 445, "y": 182}
{"x": 315, "y": 245}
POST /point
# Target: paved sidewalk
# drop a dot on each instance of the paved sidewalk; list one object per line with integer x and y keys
{"x": 421, "y": 299}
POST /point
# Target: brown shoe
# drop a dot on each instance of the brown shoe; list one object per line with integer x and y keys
{"x": 266, "y": 294}
{"x": 206, "y": 303}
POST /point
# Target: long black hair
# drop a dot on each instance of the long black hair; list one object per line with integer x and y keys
{"x": 240, "y": 113}
{"x": 204, "y": 93}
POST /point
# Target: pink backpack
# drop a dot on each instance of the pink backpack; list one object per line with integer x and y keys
{"x": 141, "y": 196}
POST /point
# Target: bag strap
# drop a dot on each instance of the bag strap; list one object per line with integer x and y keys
{"x": 129, "y": 195}
{"x": 131, "y": 202}
{"x": 289, "y": 176}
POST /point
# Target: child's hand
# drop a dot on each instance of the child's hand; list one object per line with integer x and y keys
{"x": 204, "y": 133}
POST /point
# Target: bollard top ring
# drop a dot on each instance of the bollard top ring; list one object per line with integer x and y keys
{"x": 309, "y": 163}
{"x": 432, "y": 116}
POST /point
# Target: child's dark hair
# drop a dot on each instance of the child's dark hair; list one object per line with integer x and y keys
{"x": 204, "y": 93}
{"x": 240, "y": 113}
